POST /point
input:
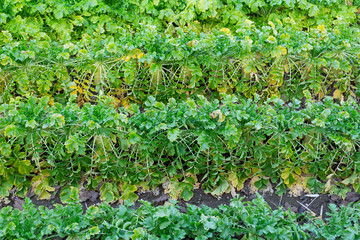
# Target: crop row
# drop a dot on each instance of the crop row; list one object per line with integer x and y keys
{"x": 274, "y": 60}
{"x": 253, "y": 220}
{"x": 87, "y": 47}
{"x": 225, "y": 142}
{"x": 67, "y": 20}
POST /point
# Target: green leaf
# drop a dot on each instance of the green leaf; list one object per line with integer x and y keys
{"x": 203, "y": 5}
{"x": 25, "y": 167}
{"x": 133, "y": 138}
{"x": 75, "y": 144}
{"x": 139, "y": 234}
{"x": 222, "y": 188}
{"x": 129, "y": 192}
{"x": 356, "y": 185}
{"x": 5, "y": 149}
{"x": 173, "y": 134}
{"x": 69, "y": 194}
{"x": 10, "y": 130}
{"x": 123, "y": 118}
{"x": 187, "y": 193}
{"x": 314, "y": 10}
{"x": 271, "y": 39}
{"x": 5, "y": 187}
{"x": 124, "y": 144}
{"x": 209, "y": 222}
{"x": 203, "y": 142}
{"x": 351, "y": 233}
{"x": 343, "y": 115}
{"x": 11, "y": 226}
{"x": 111, "y": 47}
{"x": 94, "y": 230}
{"x": 109, "y": 192}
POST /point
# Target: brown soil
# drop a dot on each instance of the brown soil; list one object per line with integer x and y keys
{"x": 314, "y": 204}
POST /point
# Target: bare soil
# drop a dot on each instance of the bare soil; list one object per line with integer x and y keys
{"x": 316, "y": 204}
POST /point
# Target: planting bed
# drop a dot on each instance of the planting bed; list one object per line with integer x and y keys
{"x": 106, "y": 103}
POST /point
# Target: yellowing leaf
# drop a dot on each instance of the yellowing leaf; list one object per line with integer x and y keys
{"x": 321, "y": 28}
{"x": 128, "y": 192}
{"x": 140, "y": 55}
{"x": 248, "y": 22}
{"x": 299, "y": 186}
{"x": 73, "y": 92}
{"x": 285, "y": 174}
{"x": 234, "y": 181}
{"x": 271, "y": 39}
{"x": 337, "y": 94}
{"x": 286, "y": 68}
{"x": 41, "y": 185}
{"x": 25, "y": 167}
{"x": 216, "y": 113}
{"x": 125, "y": 102}
{"x": 252, "y": 182}
{"x": 109, "y": 192}
{"x": 328, "y": 185}
{"x": 111, "y": 47}
{"x": 192, "y": 43}
{"x": 221, "y": 117}
{"x": 279, "y": 51}
{"x": 173, "y": 189}
{"x": 282, "y": 50}
{"x": 5, "y": 61}
{"x": 225, "y": 30}
{"x": 69, "y": 194}
{"x": 5, "y": 187}
{"x": 221, "y": 188}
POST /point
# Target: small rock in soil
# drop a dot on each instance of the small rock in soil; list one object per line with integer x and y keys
{"x": 88, "y": 195}
{"x": 287, "y": 205}
{"x": 301, "y": 209}
{"x": 183, "y": 207}
{"x": 292, "y": 208}
{"x": 335, "y": 198}
{"x": 18, "y": 202}
{"x": 245, "y": 190}
{"x": 160, "y": 200}
{"x": 252, "y": 197}
{"x": 156, "y": 192}
{"x": 352, "y": 197}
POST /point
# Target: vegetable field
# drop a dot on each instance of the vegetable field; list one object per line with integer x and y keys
{"x": 121, "y": 98}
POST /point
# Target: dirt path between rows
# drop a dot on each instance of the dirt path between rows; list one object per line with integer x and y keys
{"x": 315, "y": 204}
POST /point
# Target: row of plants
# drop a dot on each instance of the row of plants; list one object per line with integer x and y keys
{"x": 68, "y": 20}
{"x": 87, "y": 47}
{"x": 178, "y": 144}
{"x": 252, "y": 220}
{"x": 273, "y": 60}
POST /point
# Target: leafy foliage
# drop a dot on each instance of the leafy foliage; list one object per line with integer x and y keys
{"x": 254, "y": 220}
{"x": 173, "y": 49}
{"x": 113, "y": 96}
{"x": 225, "y": 141}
